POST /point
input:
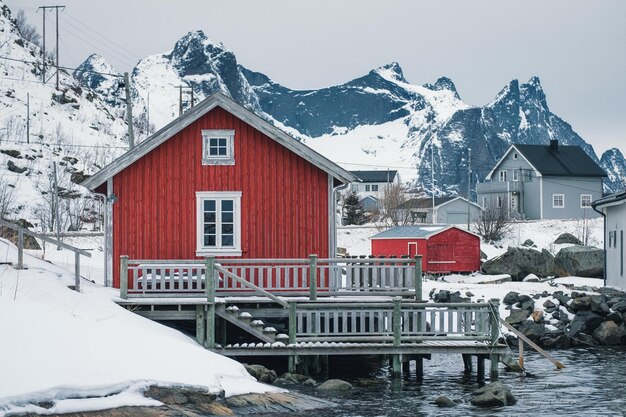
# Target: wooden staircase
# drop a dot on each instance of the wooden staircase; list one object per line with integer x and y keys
{"x": 246, "y": 322}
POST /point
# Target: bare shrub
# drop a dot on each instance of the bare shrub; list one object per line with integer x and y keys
{"x": 494, "y": 222}
{"x": 395, "y": 207}
{"x": 27, "y": 31}
{"x": 7, "y": 198}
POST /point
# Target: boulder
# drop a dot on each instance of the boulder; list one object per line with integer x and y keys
{"x": 580, "y": 304}
{"x": 620, "y": 306}
{"x": 555, "y": 339}
{"x": 261, "y": 373}
{"x": 610, "y": 333}
{"x": 584, "y": 340}
{"x": 442, "y": 296}
{"x": 519, "y": 262}
{"x": 510, "y": 363}
{"x": 510, "y": 298}
{"x": 335, "y": 385}
{"x": 495, "y": 394}
{"x": 567, "y": 238}
{"x": 598, "y": 305}
{"x": 527, "y": 304}
{"x": 549, "y": 304}
{"x": 529, "y": 243}
{"x": 531, "y": 330}
{"x": 614, "y": 316}
{"x": 581, "y": 261}
{"x": 537, "y": 316}
{"x": 562, "y": 298}
{"x": 585, "y": 322}
{"x": 517, "y": 316}
{"x": 443, "y": 401}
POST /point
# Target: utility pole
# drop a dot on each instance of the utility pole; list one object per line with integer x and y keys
{"x": 180, "y": 97}
{"x": 432, "y": 178}
{"x": 148, "y": 115}
{"x": 469, "y": 184}
{"x": 56, "y": 200}
{"x": 129, "y": 112}
{"x": 27, "y": 117}
{"x": 44, "y": 8}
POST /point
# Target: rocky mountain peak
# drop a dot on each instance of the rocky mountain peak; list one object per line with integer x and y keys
{"x": 532, "y": 92}
{"x": 443, "y": 83}
{"x": 391, "y": 71}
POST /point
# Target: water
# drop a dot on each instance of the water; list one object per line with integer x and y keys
{"x": 592, "y": 384}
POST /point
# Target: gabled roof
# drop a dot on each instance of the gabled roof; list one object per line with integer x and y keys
{"x": 415, "y": 232}
{"x": 376, "y": 176}
{"x": 610, "y": 200}
{"x": 427, "y": 202}
{"x": 570, "y": 161}
{"x": 217, "y": 100}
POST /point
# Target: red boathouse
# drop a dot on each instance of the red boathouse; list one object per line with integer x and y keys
{"x": 221, "y": 181}
{"x": 443, "y": 248}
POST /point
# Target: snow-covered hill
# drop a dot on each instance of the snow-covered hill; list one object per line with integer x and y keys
{"x": 72, "y": 125}
{"x": 377, "y": 120}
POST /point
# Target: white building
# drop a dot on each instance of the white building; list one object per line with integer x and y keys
{"x": 613, "y": 208}
{"x": 374, "y": 183}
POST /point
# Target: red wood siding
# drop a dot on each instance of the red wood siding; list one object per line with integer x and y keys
{"x": 450, "y": 245}
{"x": 284, "y": 203}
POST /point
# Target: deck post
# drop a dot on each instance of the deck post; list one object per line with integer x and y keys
{"x": 467, "y": 362}
{"x": 397, "y": 334}
{"x": 200, "y": 315}
{"x": 494, "y": 316}
{"x": 124, "y": 277}
{"x": 210, "y": 295}
{"x": 77, "y": 271}
{"x": 20, "y": 248}
{"x": 418, "y": 278}
{"x": 292, "y": 335}
{"x": 312, "y": 277}
{"x": 480, "y": 367}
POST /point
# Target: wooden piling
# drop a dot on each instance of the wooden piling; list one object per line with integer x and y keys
{"x": 200, "y": 317}
{"x": 124, "y": 277}
{"x": 312, "y": 277}
{"x": 292, "y": 335}
{"x": 480, "y": 367}
{"x": 467, "y": 362}
{"x": 210, "y": 295}
{"x": 418, "y": 278}
{"x": 397, "y": 335}
{"x": 494, "y": 316}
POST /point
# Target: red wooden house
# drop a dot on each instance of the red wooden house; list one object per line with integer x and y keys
{"x": 219, "y": 180}
{"x": 443, "y": 248}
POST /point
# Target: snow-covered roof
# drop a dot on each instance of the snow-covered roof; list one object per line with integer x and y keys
{"x": 415, "y": 232}
{"x": 610, "y": 200}
{"x": 217, "y": 100}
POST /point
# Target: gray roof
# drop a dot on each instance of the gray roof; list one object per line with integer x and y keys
{"x": 616, "y": 198}
{"x": 564, "y": 161}
{"x": 217, "y": 100}
{"x": 421, "y": 231}
{"x": 376, "y": 176}
{"x": 424, "y": 202}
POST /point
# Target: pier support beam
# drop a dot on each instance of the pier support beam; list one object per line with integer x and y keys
{"x": 419, "y": 366}
{"x": 493, "y": 374}
{"x": 467, "y": 363}
{"x": 480, "y": 367}
{"x": 200, "y": 317}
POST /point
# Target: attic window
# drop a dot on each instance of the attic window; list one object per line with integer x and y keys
{"x": 515, "y": 156}
{"x": 218, "y": 147}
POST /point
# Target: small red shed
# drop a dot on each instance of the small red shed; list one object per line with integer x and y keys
{"x": 218, "y": 181}
{"x": 444, "y": 248}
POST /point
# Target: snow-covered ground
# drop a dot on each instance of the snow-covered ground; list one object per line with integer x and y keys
{"x": 83, "y": 352}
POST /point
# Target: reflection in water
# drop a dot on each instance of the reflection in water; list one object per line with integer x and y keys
{"x": 592, "y": 384}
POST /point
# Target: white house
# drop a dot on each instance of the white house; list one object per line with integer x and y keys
{"x": 374, "y": 183}
{"x": 613, "y": 208}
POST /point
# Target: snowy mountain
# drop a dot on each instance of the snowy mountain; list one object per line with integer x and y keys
{"x": 614, "y": 164}
{"x": 40, "y": 125}
{"x": 378, "y": 120}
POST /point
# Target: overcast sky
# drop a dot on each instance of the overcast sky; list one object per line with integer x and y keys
{"x": 577, "y": 48}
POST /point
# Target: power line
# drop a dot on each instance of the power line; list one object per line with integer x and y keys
{"x": 63, "y": 68}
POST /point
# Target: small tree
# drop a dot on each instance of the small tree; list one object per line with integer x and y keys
{"x": 353, "y": 211}
{"x": 7, "y": 197}
{"x": 494, "y": 222}
{"x": 27, "y": 31}
{"x": 395, "y": 208}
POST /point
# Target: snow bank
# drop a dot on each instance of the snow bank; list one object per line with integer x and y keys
{"x": 67, "y": 347}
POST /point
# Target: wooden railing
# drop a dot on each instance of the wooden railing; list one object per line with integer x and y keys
{"x": 21, "y": 231}
{"x": 310, "y": 277}
{"x": 399, "y": 322}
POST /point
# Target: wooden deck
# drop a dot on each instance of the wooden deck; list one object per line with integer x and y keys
{"x": 313, "y": 307}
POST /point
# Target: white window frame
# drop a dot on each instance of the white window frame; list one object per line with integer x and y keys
{"x": 367, "y": 187}
{"x": 229, "y": 158}
{"x": 499, "y": 201}
{"x": 202, "y": 250}
{"x": 502, "y": 175}
{"x": 554, "y": 196}
{"x": 484, "y": 202}
{"x": 515, "y": 175}
{"x": 581, "y": 201}
{"x": 374, "y": 187}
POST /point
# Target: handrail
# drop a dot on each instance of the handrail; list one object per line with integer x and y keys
{"x": 378, "y": 304}
{"x": 20, "y": 248}
{"x": 259, "y": 290}
{"x": 532, "y": 344}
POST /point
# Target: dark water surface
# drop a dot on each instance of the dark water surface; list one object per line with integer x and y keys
{"x": 592, "y": 384}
